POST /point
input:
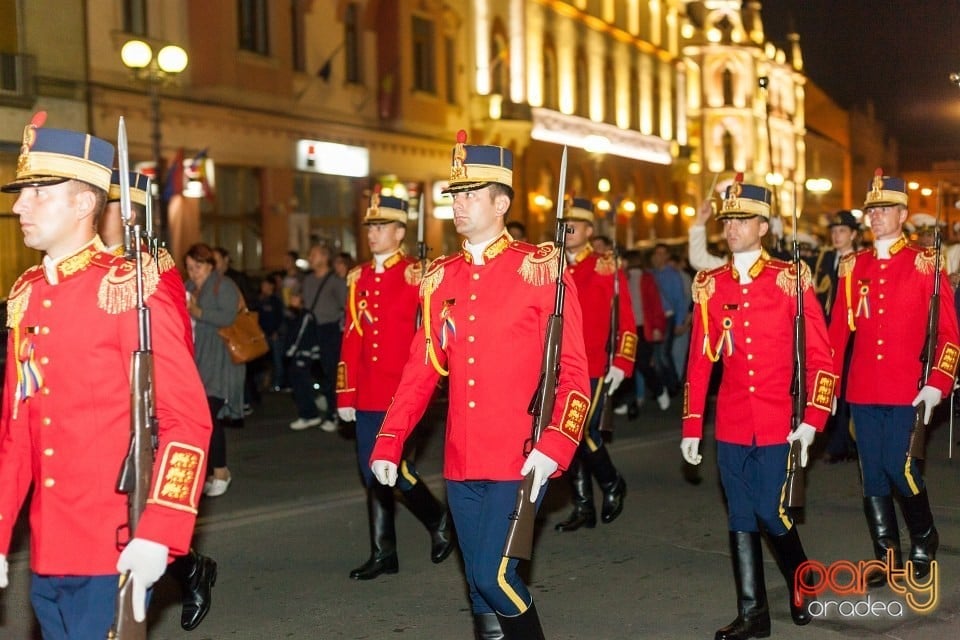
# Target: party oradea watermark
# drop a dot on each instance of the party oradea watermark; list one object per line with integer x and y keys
{"x": 841, "y": 589}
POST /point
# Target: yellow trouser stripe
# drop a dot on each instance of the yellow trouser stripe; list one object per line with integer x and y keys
{"x": 507, "y": 589}
{"x": 908, "y": 474}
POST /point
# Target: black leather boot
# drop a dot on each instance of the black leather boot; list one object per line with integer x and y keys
{"x": 525, "y": 626}
{"x": 434, "y": 517}
{"x": 884, "y": 532}
{"x": 790, "y": 556}
{"x": 486, "y": 627}
{"x": 611, "y": 483}
{"x": 753, "y": 616}
{"x": 584, "y": 514}
{"x": 383, "y": 535}
{"x": 196, "y": 574}
{"x": 924, "y": 538}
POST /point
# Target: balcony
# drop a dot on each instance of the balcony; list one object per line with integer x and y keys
{"x": 17, "y": 86}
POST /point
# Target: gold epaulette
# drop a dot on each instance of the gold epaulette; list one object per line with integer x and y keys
{"x": 846, "y": 265}
{"x": 353, "y": 275}
{"x": 704, "y": 285}
{"x": 118, "y": 288}
{"x": 787, "y": 278}
{"x": 20, "y": 295}
{"x": 434, "y": 275}
{"x": 413, "y": 273}
{"x": 606, "y": 264}
{"x": 541, "y": 264}
{"x": 165, "y": 261}
{"x": 926, "y": 259}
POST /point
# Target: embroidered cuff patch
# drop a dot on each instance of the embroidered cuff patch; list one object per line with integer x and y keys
{"x": 181, "y": 469}
{"x": 574, "y": 416}
{"x": 948, "y": 359}
{"x": 823, "y": 386}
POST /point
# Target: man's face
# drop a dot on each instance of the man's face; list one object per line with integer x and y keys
{"x": 478, "y": 214}
{"x": 659, "y": 257}
{"x": 222, "y": 263}
{"x": 319, "y": 256}
{"x": 384, "y": 237}
{"x": 926, "y": 238}
{"x": 51, "y": 216}
{"x": 886, "y": 222}
{"x": 842, "y": 237}
{"x": 578, "y": 234}
{"x": 743, "y": 234}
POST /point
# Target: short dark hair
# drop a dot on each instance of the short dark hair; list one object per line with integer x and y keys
{"x": 201, "y": 252}
{"x": 497, "y": 188}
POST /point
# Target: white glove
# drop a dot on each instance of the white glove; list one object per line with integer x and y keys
{"x": 543, "y": 466}
{"x": 384, "y": 471}
{"x": 347, "y": 414}
{"x": 615, "y": 376}
{"x": 805, "y": 434}
{"x": 3, "y": 571}
{"x": 146, "y": 561}
{"x": 930, "y": 397}
{"x": 689, "y": 448}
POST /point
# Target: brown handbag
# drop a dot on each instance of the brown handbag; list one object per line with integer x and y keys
{"x": 244, "y": 338}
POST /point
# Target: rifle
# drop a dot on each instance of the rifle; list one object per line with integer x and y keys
{"x": 136, "y": 473}
{"x": 421, "y": 250}
{"x": 764, "y": 82}
{"x": 606, "y": 410}
{"x": 918, "y": 434}
{"x": 519, "y": 542}
{"x": 796, "y": 480}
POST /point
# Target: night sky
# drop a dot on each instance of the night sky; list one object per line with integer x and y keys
{"x": 898, "y": 54}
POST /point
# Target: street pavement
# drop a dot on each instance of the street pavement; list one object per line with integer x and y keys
{"x": 293, "y": 525}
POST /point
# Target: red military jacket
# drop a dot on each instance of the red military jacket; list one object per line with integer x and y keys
{"x": 653, "y": 317}
{"x": 594, "y": 275}
{"x": 751, "y": 327}
{"x": 886, "y": 302}
{"x": 65, "y": 425}
{"x": 380, "y": 323}
{"x": 484, "y": 326}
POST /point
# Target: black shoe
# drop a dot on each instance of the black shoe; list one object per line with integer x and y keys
{"x": 613, "y": 500}
{"x": 633, "y": 410}
{"x": 196, "y": 574}
{"x": 383, "y": 536}
{"x": 924, "y": 538}
{"x": 753, "y": 616}
{"x": 434, "y": 516}
{"x": 790, "y": 557}
{"x": 584, "y": 514}
{"x": 885, "y": 534}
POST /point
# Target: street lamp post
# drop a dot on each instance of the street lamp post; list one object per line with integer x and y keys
{"x": 154, "y": 71}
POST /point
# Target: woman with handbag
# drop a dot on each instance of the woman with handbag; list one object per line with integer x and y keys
{"x": 213, "y": 302}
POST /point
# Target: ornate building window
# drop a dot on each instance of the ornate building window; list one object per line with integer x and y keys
{"x": 551, "y": 81}
{"x": 253, "y": 26}
{"x": 582, "y": 96}
{"x": 424, "y": 57}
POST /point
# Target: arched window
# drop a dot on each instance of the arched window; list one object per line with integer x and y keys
{"x": 727, "y": 150}
{"x": 499, "y": 69}
{"x": 727, "y": 81}
{"x": 551, "y": 83}
{"x": 609, "y": 93}
{"x": 583, "y": 86}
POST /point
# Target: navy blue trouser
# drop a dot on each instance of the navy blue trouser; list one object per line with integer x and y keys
{"x": 481, "y": 513}
{"x": 883, "y": 434}
{"x": 74, "y": 607}
{"x": 368, "y": 425}
{"x": 753, "y": 479}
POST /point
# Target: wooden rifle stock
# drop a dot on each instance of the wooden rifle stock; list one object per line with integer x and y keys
{"x": 519, "y": 543}
{"x": 917, "y": 447}
{"x": 125, "y": 627}
{"x": 796, "y": 495}
{"x": 136, "y": 472}
{"x": 606, "y": 410}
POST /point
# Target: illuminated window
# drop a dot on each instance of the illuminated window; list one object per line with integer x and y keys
{"x": 551, "y": 84}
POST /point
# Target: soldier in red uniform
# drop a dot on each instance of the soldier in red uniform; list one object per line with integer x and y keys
{"x": 194, "y": 572}
{"x": 883, "y": 294}
{"x": 594, "y": 273}
{"x": 66, "y": 434}
{"x": 382, "y": 299}
{"x": 743, "y": 313}
{"x": 485, "y": 311}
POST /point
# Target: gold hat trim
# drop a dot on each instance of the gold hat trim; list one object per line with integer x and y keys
{"x": 137, "y": 196}
{"x": 885, "y": 197}
{"x": 743, "y": 208}
{"x": 481, "y": 173}
{"x": 41, "y": 164}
